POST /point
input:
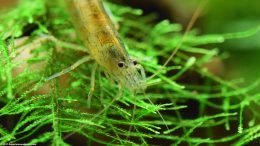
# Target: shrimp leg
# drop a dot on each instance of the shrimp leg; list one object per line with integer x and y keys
{"x": 64, "y": 44}
{"x": 92, "y": 83}
{"x": 72, "y": 67}
{"x": 45, "y": 38}
{"x": 106, "y": 107}
{"x": 132, "y": 120}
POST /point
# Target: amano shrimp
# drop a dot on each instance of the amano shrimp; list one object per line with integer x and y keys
{"x": 100, "y": 37}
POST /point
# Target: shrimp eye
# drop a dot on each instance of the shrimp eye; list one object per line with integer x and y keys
{"x": 120, "y": 64}
{"x": 135, "y": 62}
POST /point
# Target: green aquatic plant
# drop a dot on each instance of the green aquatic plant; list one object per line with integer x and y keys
{"x": 37, "y": 40}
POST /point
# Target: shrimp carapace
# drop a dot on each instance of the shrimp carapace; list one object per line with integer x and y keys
{"x": 99, "y": 36}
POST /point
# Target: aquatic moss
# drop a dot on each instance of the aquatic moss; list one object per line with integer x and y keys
{"x": 34, "y": 111}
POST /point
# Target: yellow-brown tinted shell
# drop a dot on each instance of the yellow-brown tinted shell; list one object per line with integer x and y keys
{"x": 103, "y": 43}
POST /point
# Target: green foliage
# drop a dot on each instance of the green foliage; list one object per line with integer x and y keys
{"x": 34, "y": 111}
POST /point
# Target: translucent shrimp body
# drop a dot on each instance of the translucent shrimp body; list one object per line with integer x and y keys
{"x": 103, "y": 43}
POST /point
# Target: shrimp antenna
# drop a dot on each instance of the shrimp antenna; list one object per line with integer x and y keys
{"x": 134, "y": 110}
{"x": 188, "y": 28}
{"x": 164, "y": 122}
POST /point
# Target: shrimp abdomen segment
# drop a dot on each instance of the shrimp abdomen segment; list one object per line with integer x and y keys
{"x": 95, "y": 28}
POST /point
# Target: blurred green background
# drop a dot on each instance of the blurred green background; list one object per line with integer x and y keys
{"x": 234, "y": 16}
